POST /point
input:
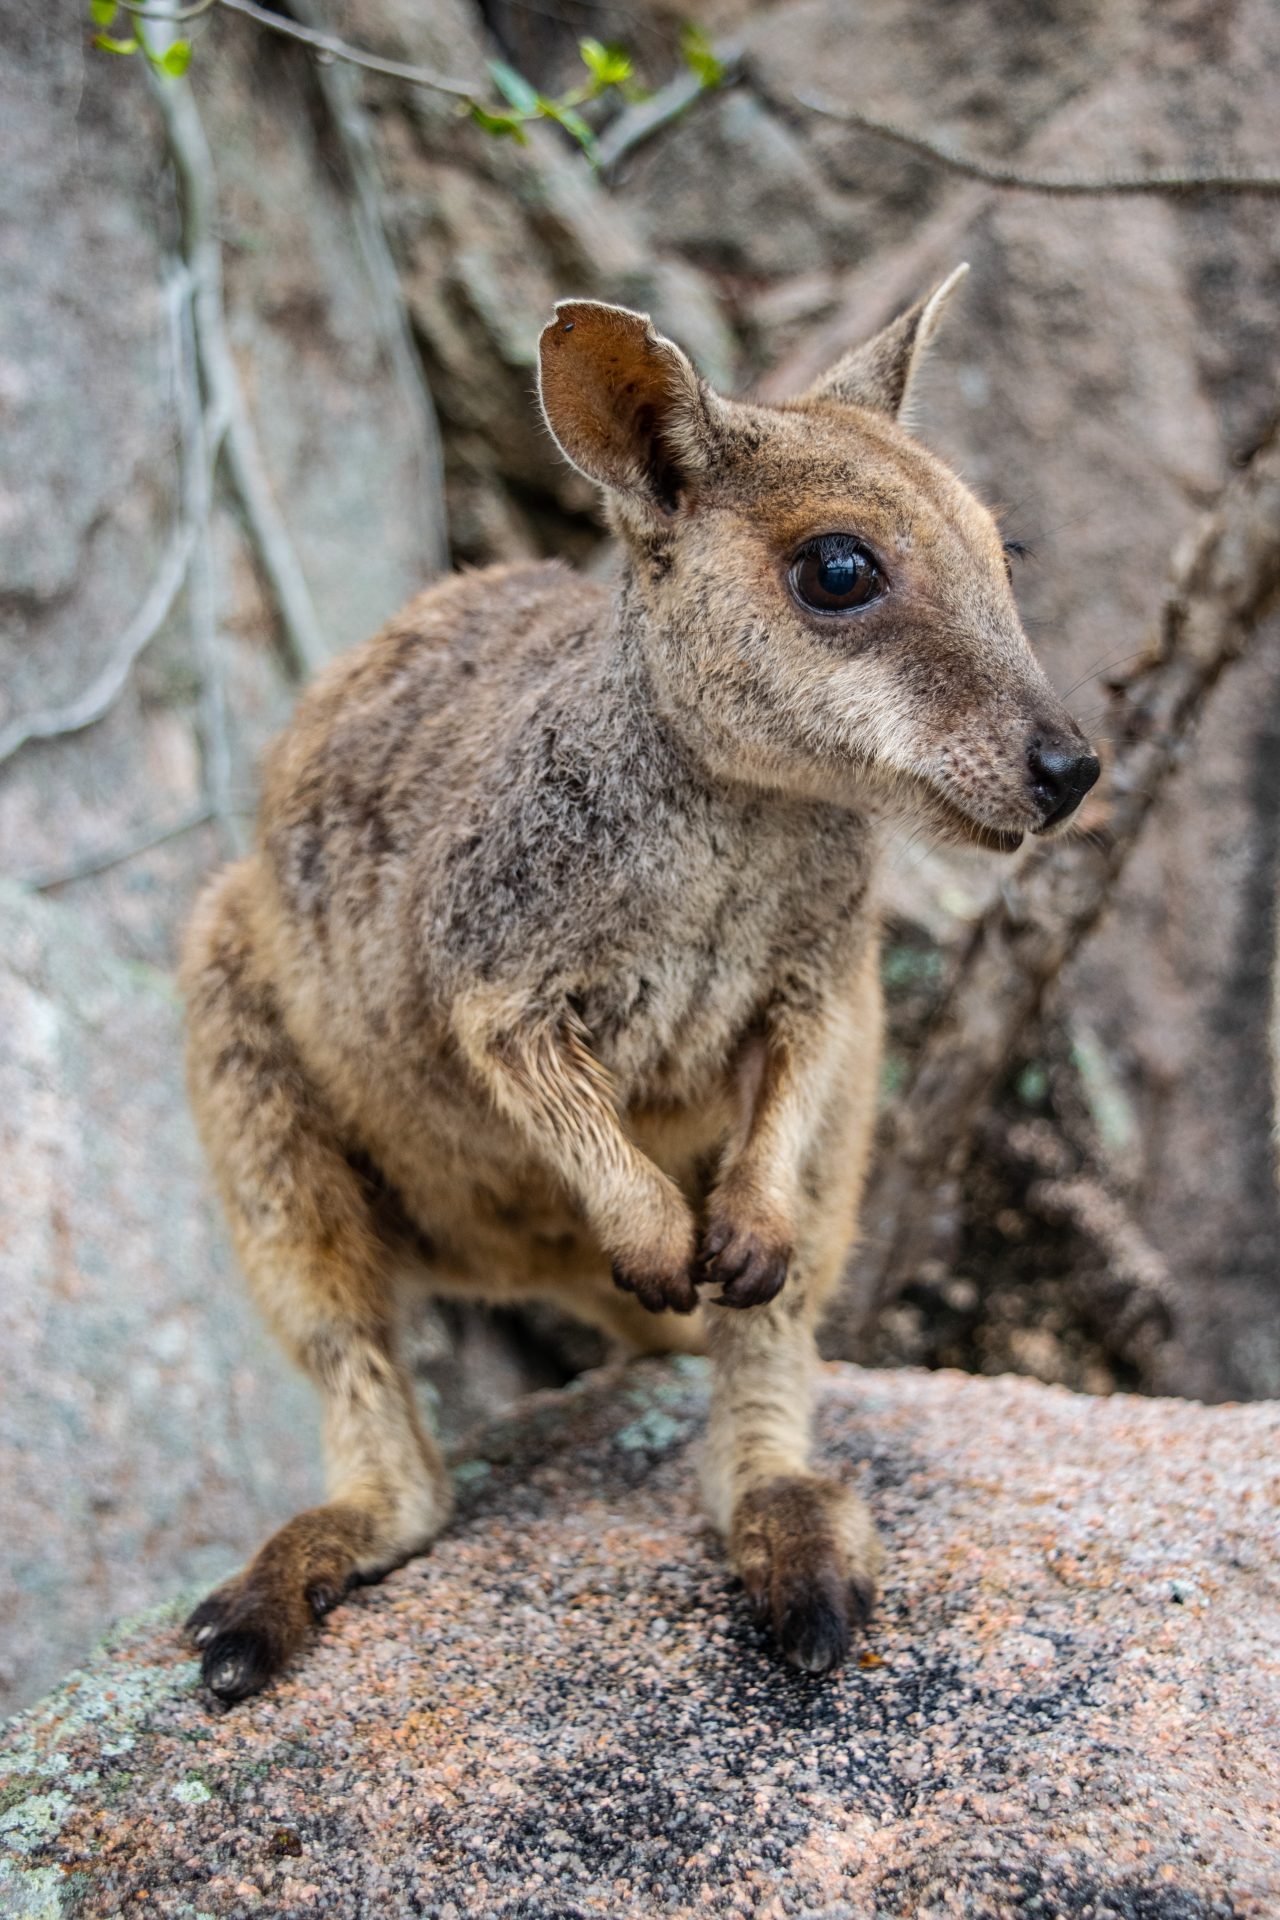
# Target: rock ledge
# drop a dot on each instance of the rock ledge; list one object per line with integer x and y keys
{"x": 1069, "y": 1703}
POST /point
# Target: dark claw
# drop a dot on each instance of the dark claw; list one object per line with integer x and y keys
{"x": 671, "y": 1293}
{"x": 202, "y": 1622}
{"x": 748, "y": 1271}
{"x": 757, "y": 1281}
{"x": 814, "y": 1630}
{"x": 325, "y": 1595}
{"x": 758, "y": 1601}
{"x": 862, "y": 1600}
{"x": 238, "y": 1663}
{"x": 733, "y": 1264}
{"x": 677, "y": 1295}
{"x": 715, "y": 1240}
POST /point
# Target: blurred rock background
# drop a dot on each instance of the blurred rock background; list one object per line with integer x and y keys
{"x": 387, "y": 267}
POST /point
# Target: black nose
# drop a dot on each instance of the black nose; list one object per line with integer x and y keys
{"x": 1060, "y": 778}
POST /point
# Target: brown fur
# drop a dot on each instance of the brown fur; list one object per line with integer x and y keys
{"x": 554, "y": 970}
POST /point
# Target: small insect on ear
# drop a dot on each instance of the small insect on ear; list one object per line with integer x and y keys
{"x": 879, "y": 373}
{"x": 624, "y": 404}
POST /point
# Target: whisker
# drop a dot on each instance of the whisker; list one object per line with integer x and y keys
{"x": 1075, "y": 520}
{"x": 1107, "y": 666}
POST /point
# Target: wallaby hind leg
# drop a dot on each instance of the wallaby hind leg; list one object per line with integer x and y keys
{"x": 804, "y": 1545}
{"x": 323, "y": 1277}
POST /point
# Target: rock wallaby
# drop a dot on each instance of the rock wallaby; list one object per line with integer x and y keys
{"x": 554, "y": 970}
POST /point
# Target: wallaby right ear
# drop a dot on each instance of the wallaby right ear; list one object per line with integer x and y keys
{"x": 624, "y": 404}
{"x": 879, "y": 373}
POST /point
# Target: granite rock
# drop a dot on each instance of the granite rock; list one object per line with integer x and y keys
{"x": 149, "y": 1433}
{"x": 1068, "y": 1703}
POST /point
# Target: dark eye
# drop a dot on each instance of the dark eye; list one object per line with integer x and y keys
{"x": 1014, "y": 550}
{"x": 836, "y": 574}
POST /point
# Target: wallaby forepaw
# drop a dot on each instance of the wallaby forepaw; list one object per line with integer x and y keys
{"x": 807, "y": 1555}
{"x": 750, "y": 1268}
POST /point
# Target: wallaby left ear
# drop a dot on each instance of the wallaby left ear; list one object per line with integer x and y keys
{"x": 625, "y": 405}
{"x": 879, "y": 373}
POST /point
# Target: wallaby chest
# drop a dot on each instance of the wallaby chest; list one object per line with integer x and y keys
{"x": 745, "y": 904}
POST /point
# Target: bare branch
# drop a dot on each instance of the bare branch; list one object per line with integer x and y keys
{"x": 328, "y": 43}
{"x": 175, "y": 16}
{"x": 340, "y": 89}
{"x": 199, "y": 454}
{"x": 1170, "y": 181}
{"x": 640, "y": 122}
{"x": 1121, "y": 1286}
{"x": 107, "y": 685}
{"x": 637, "y": 124}
{"x": 1224, "y": 577}
{"x": 1139, "y": 1294}
{"x": 305, "y": 642}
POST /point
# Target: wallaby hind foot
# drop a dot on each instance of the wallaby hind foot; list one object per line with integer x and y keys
{"x": 807, "y": 1554}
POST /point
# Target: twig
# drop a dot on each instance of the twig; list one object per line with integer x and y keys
{"x": 1122, "y": 1284}
{"x": 305, "y": 642}
{"x": 328, "y": 43}
{"x": 994, "y": 174}
{"x": 340, "y": 89}
{"x": 1223, "y": 579}
{"x": 175, "y": 16}
{"x": 107, "y": 685}
{"x": 142, "y": 841}
{"x": 1136, "y": 1285}
{"x": 639, "y": 123}
{"x": 199, "y": 453}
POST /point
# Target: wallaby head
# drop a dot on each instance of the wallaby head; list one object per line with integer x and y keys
{"x": 825, "y": 609}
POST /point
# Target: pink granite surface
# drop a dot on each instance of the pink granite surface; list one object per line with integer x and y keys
{"x": 1069, "y": 1703}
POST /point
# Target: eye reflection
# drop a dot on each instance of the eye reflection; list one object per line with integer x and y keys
{"x": 836, "y": 574}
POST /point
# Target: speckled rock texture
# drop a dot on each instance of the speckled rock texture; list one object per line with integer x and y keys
{"x": 1069, "y": 1703}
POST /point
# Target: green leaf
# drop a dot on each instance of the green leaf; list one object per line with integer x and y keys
{"x": 573, "y": 123}
{"x": 177, "y": 58}
{"x": 513, "y": 87}
{"x": 503, "y": 126}
{"x": 109, "y": 45}
{"x": 608, "y": 66}
{"x": 102, "y": 12}
{"x": 700, "y": 56}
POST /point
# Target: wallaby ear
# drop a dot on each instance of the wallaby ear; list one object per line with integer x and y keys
{"x": 879, "y": 373}
{"x": 624, "y": 404}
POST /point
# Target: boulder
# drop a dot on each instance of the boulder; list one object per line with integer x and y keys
{"x": 1067, "y": 1704}
{"x": 149, "y": 1433}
